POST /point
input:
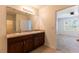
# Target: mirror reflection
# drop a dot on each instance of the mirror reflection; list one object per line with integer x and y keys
{"x": 18, "y": 21}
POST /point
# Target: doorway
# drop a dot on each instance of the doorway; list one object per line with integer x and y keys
{"x": 67, "y": 30}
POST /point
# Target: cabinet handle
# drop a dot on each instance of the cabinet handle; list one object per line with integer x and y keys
{"x": 24, "y": 42}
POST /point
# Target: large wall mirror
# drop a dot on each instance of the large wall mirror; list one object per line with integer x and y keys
{"x": 18, "y": 21}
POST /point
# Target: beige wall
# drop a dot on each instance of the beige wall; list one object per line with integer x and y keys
{"x": 47, "y": 22}
{"x": 3, "y": 40}
{"x": 47, "y": 19}
{"x": 35, "y": 22}
{"x": 10, "y": 23}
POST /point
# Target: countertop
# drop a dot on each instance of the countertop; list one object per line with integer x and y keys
{"x": 22, "y": 33}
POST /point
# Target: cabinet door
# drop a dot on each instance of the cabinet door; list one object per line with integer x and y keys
{"x": 38, "y": 42}
{"x": 16, "y": 47}
{"x": 28, "y": 45}
{"x": 38, "y": 39}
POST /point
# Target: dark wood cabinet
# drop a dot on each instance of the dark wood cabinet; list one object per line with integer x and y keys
{"x": 25, "y": 43}
{"x": 38, "y": 40}
{"x": 28, "y": 44}
{"x": 15, "y": 47}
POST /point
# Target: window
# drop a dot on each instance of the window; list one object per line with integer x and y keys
{"x": 71, "y": 24}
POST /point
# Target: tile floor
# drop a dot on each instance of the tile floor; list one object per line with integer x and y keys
{"x": 44, "y": 49}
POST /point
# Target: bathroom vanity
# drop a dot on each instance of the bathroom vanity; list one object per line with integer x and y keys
{"x": 25, "y": 41}
{"x": 21, "y": 33}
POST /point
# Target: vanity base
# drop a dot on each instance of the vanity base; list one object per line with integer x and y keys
{"x": 25, "y": 43}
